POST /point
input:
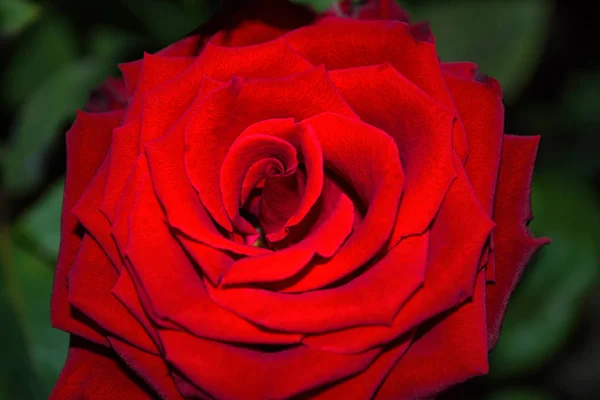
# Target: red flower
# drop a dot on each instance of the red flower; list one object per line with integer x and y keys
{"x": 291, "y": 206}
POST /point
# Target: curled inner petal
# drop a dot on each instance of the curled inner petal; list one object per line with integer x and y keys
{"x": 245, "y": 152}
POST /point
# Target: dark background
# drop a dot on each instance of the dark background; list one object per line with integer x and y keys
{"x": 543, "y": 53}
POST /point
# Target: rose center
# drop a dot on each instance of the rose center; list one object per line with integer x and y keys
{"x": 270, "y": 205}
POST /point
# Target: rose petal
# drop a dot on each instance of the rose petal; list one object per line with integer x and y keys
{"x": 272, "y": 59}
{"x": 156, "y": 70}
{"x": 512, "y": 212}
{"x": 464, "y": 70}
{"x": 367, "y": 159}
{"x": 340, "y": 43}
{"x": 120, "y": 232}
{"x": 182, "y": 206}
{"x": 422, "y": 129}
{"x": 168, "y": 271}
{"x": 120, "y": 160}
{"x": 87, "y": 213}
{"x": 124, "y": 290}
{"x": 213, "y": 262}
{"x": 243, "y": 153}
{"x": 163, "y": 105}
{"x": 187, "y": 389}
{"x": 185, "y": 47}
{"x": 91, "y": 372}
{"x": 131, "y": 74}
{"x": 87, "y": 143}
{"x": 91, "y": 280}
{"x": 261, "y": 21}
{"x": 482, "y": 113}
{"x": 308, "y": 147}
{"x": 280, "y": 198}
{"x": 450, "y": 352}
{"x": 256, "y": 175}
{"x": 351, "y": 304}
{"x": 365, "y": 384}
{"x": 333, "y": 225}
{"x": 265, "y": 375}
{"x": 149, "y": 367}
{"x": 457, "y": 238}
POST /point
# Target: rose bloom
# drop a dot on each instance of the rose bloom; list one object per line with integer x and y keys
{"x": 286, "y": 205}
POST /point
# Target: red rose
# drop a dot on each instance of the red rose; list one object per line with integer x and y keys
{"x": 291, "y": 207}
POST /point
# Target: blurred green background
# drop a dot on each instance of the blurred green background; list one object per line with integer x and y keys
{"x": 542, "y": 52}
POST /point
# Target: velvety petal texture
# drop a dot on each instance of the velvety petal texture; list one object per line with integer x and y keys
{"x": 289, "y": 205}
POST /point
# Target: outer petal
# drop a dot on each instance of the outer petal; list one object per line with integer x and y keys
{"x": 230, "y": 372}
{"x": 164, "y": 105}
{"x": 93, "y": 373}
{"x": 339, "y": 43}
{"x": 260, "y": 21}
{"x": 87, "y": 212}
{"x": 366, "y": 384}
{"x": 482, "y": 113}
{"x": 273, "y": 59}
{"x": 156, "y": 70}
{"x": 451, "y": 351}
{"x": 87, "y": 143}
{"x": 90, "y": 283}
{"x": 119, "y": 161}
{"x": 253, "y": 23}
{"x": 151, "y": 368}
{"x": 512, "y": 212}
{"x": 186, "y": 47}
{"x": 479, "y": 103}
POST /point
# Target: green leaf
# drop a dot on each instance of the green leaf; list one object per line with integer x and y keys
{"x": 317, "y": 5}
{"x": 505, "y": 37}
{"x": 38, "y": 229}
{"x": 108, "y": 44}
{"x": 38, "y": 122}
{"x": 16, "y": 15}
{"x": 576, "y": 375}
{"x": 18, "y": 380}
{"x": 52, "y": 104}
{"x": 201, "y": 9}
{"x": 579, "y": 112}
{"x": 28, "y": 287}
{"x": 47, "y": 47}
{"x": 547, "y": 302}
{"x": 520, "y": 394}
{"x": 47, "y": 346}
{"x": 167, "y": 21}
